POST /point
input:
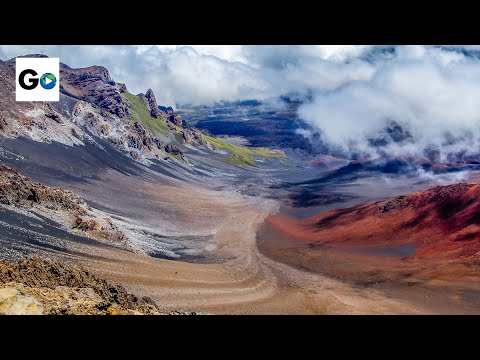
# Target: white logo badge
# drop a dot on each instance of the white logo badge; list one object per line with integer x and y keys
{"x": 37, "y": 79}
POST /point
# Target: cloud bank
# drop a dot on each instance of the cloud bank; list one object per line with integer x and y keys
{"x": 423, "y": 102}
{"x": 420, "y": 101}
{"x": 205, "y": 74}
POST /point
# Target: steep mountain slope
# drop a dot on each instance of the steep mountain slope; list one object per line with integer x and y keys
{"x": 38, "y": 121}
{"x": 93, "y": 106}
{"x": 136, "y": 163}
{"x": 20, "y": 193}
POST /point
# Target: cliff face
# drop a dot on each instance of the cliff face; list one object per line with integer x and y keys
{"x": 94, "y": 85}
{"x": 152, "y": 104}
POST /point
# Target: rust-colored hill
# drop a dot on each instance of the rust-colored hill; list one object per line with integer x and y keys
{"x": 440, "y": 223}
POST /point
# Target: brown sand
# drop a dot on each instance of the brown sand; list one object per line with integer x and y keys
{"x": 247, "y": 283}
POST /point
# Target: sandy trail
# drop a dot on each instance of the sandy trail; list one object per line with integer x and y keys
{"x": 247, "y": 283}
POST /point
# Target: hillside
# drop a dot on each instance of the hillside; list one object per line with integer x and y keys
{"x": 440, "y": 223}
{"x": 93, "y": 106}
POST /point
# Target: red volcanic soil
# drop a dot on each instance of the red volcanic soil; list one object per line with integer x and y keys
{"x": 442, "y": 223}
{"x": 326, "y": 160}
{"x": 423, "y": 247}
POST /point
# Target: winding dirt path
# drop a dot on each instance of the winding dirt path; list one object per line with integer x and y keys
{"x": 247, "y": 283}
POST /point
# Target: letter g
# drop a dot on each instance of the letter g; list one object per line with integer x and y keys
{"x": 33, "y": 82}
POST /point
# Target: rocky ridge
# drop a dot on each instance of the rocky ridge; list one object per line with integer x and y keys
{"x": 94, "y": 85}
{"x": 37, "y": 286}
{"x": 61, "y": 205}
{"x": 93, "y": 105}
{"x": 38, "y": 121}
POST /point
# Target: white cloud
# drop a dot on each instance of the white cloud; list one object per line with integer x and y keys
{"x": 432, "y": 93}
{"x": 202, "y": 74}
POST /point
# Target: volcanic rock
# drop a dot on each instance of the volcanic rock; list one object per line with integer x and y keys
{"x": 152, "y": 104}
{"x": 173, "y": 149}
{"x": 13, "y": 302}
{"x": 35, "y": 285}
{"x": 18, "y": 189}
{"x": 175, "y": 119}
{"x": 93, "y": 84}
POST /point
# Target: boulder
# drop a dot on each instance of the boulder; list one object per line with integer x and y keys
{"x": 187, "y": 138}
{"x": 13, "y": 302}
{"x": 173, "y": 149}
{"x": 176, "y": 119}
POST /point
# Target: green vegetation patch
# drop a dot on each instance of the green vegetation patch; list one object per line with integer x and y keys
{"x": 139, "y": 112}
{"x": 241, "y": 155}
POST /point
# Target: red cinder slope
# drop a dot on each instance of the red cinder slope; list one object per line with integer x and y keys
{"x": 441, "y": 223}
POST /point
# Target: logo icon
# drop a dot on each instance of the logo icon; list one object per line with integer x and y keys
{"x": 48, "y": 81}
{"x": 32, "y": 72}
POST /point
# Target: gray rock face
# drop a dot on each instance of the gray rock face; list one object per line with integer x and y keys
{"x": 122, "y": 88}
{"x": 173, "y": 149}
{"x": 12, "y": 302}
{"x": 187, "y": 138}
{"x": 152, "y": 104}
{"x": 94, "y": 84}
{"x": 140, "y": 139}
{"x": 176, "y": 119}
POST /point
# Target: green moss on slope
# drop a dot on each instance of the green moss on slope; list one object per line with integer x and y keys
{"x": 139, "y": 112}
{"x": 241, "y": 155}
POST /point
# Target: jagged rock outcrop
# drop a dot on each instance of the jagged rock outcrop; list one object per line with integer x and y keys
{"x": 140, "y": 138}
{"x": 106, "y": 231}
{"x": 198, "y": 138}
{"x": 122, "y": 88}
{"x": 173, "y": 117}
{"x": 192, "y": 136}
{"x": 94, "y": 84}
{"x": 173, "y": 149}
{"x": 152, "y": 104}
{"x": 63, "y": 205}
{"x": 187, "y": 138}
{"x": 37, "y": 286}
{"x": 176, "y": 119}
{"x": 18, "y": 189}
